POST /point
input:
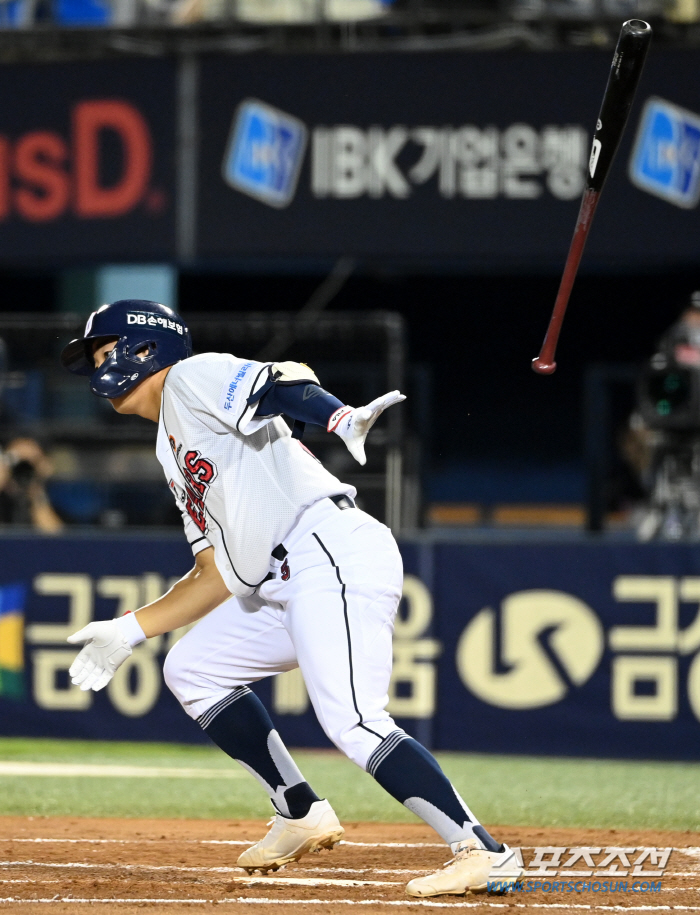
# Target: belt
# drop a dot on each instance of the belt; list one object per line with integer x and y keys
{"x": 342, "y": 502}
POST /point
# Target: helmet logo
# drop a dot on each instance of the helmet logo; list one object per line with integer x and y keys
{"x": 149, "y": 320}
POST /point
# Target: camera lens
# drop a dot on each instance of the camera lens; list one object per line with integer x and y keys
{"x": 23, "y": 473}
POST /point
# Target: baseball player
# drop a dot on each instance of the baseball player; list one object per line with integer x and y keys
{"x": 287, "y": 573}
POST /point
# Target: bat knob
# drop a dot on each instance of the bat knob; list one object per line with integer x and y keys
{"x": 636, "y": 27}
{"x": 542, "y": 367}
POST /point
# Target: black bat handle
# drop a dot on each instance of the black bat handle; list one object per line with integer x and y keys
{"x": 627, "y": 65}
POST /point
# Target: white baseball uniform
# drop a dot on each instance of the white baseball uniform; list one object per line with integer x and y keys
{"x": 315, "y": 583}
{"x": 240, "y": 480}
{"x": 244, "y": 487}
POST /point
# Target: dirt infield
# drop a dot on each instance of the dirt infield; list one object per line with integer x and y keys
{"x": 67, "y": 865}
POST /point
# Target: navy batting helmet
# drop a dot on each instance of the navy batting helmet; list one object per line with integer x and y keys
{"x": 154, "y": 331}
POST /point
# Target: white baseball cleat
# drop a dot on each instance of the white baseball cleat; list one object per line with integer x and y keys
{"x": 472, "y": 870}
{"x": 289, "y": 839}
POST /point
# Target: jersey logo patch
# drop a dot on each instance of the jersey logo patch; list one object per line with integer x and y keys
{"x": 285, "y": 570}
{"x": 199, "y": 474}
{"x": 229, "y": 391}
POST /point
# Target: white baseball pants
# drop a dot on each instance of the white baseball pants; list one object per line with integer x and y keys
{"x": 333, "y": 617}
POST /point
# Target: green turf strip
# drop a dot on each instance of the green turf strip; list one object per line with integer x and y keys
{"x": 500, "y": 789}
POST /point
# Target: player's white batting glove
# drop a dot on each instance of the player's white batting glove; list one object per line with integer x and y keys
{"x": 353, "y": 423}
{"x": 107, "y": 645}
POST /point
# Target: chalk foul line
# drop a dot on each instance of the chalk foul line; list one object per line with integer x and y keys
{"x": 422, "y": 903}
{"x": 87, "y": 770}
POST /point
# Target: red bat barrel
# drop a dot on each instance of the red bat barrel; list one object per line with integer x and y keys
{"x": 630, "y": 54}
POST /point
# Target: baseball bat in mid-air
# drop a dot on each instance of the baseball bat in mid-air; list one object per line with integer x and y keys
{"x": 630, "y": 53}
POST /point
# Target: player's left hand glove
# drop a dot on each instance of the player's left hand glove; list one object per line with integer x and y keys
{"x": 108, "y": 645}
{"x": 353, "y": 423}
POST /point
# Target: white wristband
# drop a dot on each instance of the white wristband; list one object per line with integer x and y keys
{"x": 131, "y": 629}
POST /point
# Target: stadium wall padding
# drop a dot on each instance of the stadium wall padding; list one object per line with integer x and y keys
{"x": 588, "y": 649}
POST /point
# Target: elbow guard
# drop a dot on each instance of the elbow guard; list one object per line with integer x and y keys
{"x": 286, "y": 374}
{"x": 292, "y": 373}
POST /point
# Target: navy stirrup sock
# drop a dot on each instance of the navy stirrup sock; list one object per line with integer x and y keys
{"x": 240, "y": 726}
{"x": 410, "y": 774}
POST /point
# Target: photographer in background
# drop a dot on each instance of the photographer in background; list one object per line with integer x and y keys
{"x": 662, "y": 442}
{"x": 24, "y": 469}
{"x": 681, "y": 342}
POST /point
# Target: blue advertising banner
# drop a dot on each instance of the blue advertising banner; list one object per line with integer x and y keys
{"x": 66, "y": 583}
{"x": 588, "y": 649}
{"x": 443, "y": 155}
{"x": 461, "y": 157}
{"x": 577, "y": 649}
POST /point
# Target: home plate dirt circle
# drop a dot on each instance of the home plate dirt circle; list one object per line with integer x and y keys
{"x": 58, "y": 865}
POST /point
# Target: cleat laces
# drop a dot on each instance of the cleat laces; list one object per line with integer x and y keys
{"x": 459, "y": 856}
